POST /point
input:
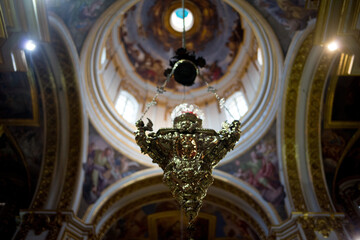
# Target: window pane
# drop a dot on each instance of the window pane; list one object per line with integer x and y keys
{"x": 259, "y": 57}
{"x": 127, "y": 106}
{"x": 103, "y": 56}
{"x": 236, "y": 105}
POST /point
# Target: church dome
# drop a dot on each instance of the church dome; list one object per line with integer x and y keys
{"x": 131, "y": 45}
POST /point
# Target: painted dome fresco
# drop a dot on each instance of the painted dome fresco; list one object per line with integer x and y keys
{"x": 141, "y": 40}
{"x": 133, "y": 43}
{"x": 150, "y": 40}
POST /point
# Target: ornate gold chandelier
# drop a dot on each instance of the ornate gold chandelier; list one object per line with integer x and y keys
{"x": 187, "y": 153}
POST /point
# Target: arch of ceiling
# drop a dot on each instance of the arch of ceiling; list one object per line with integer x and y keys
{"x": 306, "y": 71}
{"x": 146, "y": 187}
{"x": 56, "y": 64}
{"x": 120, "y": 134}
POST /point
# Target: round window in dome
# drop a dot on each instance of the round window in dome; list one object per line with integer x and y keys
{"x": 176, "y": 19}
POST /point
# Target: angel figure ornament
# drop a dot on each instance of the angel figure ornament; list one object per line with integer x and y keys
{"x": 187, "y": 153}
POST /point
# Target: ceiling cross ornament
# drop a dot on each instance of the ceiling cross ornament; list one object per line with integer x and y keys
{"x": 187, "y": 153}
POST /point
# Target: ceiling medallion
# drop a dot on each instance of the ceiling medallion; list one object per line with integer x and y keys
{"x": 187, "y": 153}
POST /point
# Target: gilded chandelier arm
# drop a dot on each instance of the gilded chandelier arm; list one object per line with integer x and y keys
{"x": 227, "y": 136}
{"x": 140, "y": 135}
{"x": 230, "y": 134}
{"x": 151, "y": 144}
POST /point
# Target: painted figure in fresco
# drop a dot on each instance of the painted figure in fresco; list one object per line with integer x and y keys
{"x": 292, "y": 14}
{"x": 261, "y": 171}
{"x": 213, "y": 72}
{"x": 102, "y": 169}
{"x": 91, "y": 10}
{"x": 235, "y": 39}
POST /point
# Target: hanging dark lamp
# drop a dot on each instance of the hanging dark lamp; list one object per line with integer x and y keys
{"x": 187, "y": 153}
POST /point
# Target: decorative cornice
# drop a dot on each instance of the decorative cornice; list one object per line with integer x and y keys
{"x": 290, "y": 151}
{"x": 313, "y": 133}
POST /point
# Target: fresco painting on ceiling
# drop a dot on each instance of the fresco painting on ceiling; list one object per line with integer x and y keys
{"x": 135, "y": 225}
{"x": 104, "y": 166}
{"x": 16, "y": 98}
{"x": 149, "y": 45}
{"x": 80, "y": 15}
{"x": 292, "y": 14}
{"x": 260, "y": 168}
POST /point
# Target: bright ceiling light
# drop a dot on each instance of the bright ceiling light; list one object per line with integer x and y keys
{"x": 333, "y": 46}
{"x": 30, "y": 45}
{"x": 176, "y": 19}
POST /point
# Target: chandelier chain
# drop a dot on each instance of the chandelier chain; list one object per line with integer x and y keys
{"x": 183, "y": 17}
{"x": 159, "y": 90}
{"x": 221, "y": 101}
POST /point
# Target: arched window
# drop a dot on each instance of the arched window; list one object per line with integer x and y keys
{"x": 127, "y": 106}
{"x": 103, "y": 56}
{"x": 259, "y": 57}
{"x": 236, "y": 105}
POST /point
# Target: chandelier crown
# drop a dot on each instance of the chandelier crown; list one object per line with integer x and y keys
{"x": 187, "y": 122}
{"x": 187, "y": 108}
